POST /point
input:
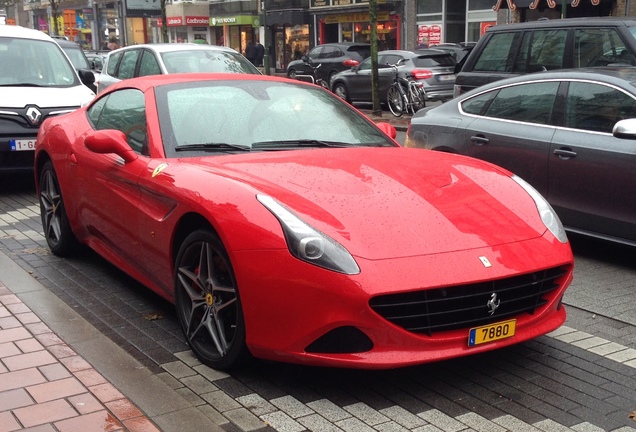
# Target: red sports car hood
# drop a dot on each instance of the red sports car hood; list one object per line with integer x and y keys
{"x": 392, "y": 202}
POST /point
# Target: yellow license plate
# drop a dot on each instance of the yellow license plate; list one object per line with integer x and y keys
{"x": 492, "y": 332}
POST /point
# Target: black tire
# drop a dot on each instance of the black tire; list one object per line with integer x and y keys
{"x": 55, "y": 224}
{"x": 340, "y": 90}
{"x": 394, "y": 101}
{"x": 330, "y": 78}
{"x": 291, "y": 73}
{"x": 208, "y": 303}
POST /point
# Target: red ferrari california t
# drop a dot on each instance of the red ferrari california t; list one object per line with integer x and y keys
{"x": 285, "y": 225}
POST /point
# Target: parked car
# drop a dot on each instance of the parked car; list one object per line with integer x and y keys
{"x": 152, "y": 59}
{"x": 516, "y": 49}
{"x": 457, "y": 50}
{"x": 96, "y": 59}
{"x": 273, "y": 214}
{"x": 76, "y": 55}
{"x": 431, "y": 67}
{"x": 557, "y": 130}
{"x": 332, "y": 58}
{"x": 37, "y": 81}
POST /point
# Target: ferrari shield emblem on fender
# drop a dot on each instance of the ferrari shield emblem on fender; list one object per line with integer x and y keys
{"x": 159, "y": 168}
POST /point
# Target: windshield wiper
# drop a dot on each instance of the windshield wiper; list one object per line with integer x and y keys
{"x": 212, "y": 146}
{"x": 298, "y": 143}
{"x": 21, "y": 85}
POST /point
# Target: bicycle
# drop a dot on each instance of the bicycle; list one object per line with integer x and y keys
{"x": 405, "y": 95}
{"x": 313, "y": 78}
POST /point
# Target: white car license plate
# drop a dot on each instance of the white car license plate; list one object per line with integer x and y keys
{"x": 446, "y": 77}
{"x": 22, "y": 145}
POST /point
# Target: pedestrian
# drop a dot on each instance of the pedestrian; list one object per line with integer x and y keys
{"x": 260, "y": 53}
{"x": 112, "y": 44}
{"x": 250, "y": 52}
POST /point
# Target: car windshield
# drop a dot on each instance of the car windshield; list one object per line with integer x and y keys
{"x": 76, "y": 56}
{"x": 187, "y": 61}
{"x": 257, "y": 115}
{"x": 29, "y": 62}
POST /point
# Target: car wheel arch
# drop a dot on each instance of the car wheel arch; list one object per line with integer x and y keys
{"x": 339, "y": 88}
{"x": 187, "y": 224}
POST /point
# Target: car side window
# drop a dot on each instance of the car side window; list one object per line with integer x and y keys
{"x": 541, "y": 50}
{"x": 148, "y": 64}
{"x": 327, "y": 52}
{"x": 366, "y": 65}
{"x": 600, "y": 47}
{"x": 113, "y": 60}
{"x": 128, "y": 63}
{"x": 495, "y": 56}
{"x": 391, "y": 59}
{"x": 531, "y": 103}
{"x": 315, "y": 53}
{"x": 123, "y": 110}
{"x": 597, "y": 107}
{"x": 477, "y": 104}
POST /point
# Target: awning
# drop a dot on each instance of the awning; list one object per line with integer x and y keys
{"x": 534, "y": 4}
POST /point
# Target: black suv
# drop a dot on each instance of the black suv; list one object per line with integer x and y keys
{"x": 516, "y": 49}
{"x": 333, "y": 58}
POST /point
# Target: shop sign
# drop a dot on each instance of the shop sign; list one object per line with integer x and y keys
{"x": 196, "y": 20}
{"x": 355, "y": 17}
{"x": 174, "y": 21}
{"x": 233, "y": 20}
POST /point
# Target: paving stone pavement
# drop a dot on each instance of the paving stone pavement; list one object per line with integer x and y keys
{"x": 581, "y": 377}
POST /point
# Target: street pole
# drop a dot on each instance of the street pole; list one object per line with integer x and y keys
{"x": 375, "y": 82}
{"x": 564, "y": 6}
{"x": 266, "y": 42}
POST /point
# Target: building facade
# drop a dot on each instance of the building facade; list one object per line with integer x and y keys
{"x": 289, "y": 28}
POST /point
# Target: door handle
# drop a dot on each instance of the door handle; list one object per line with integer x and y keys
{"x": 479, "y": 140}
{"x": 565, "y": 153}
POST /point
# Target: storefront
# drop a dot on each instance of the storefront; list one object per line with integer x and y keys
{"x": 355, "y": 27}
{"x": 188, "y": 29}
{"x": 234, "y": 31}
{"x": 532, "y": 10}
{"x": 188, "y": 22}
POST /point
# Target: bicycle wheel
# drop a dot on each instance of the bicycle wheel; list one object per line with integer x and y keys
{"x": 418, "y": 98}
{"x": 395, "y": 101}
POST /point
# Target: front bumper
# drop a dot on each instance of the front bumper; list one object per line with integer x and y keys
{"x": 290, "y": 305}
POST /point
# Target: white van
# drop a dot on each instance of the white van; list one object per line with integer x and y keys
{"x": 37, "y": 81}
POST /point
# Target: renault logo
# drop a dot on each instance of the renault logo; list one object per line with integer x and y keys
{"x": 34, "y": 115}
{"x": 493, "y": 303}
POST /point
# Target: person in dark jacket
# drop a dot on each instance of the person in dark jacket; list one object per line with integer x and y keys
{"x": 250, "y": 52}
{"x": 260, "y": 53}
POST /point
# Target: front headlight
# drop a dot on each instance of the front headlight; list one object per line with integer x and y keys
{"x": 547, "y": 213}
{"x": 309, "y": 244}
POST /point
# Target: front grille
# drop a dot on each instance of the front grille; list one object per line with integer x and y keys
{"x": 17, "y": 160}
{"x": 464, "y": 306}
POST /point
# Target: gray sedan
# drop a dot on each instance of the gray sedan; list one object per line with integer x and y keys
{"x": 564, "y": 132}
{"x": 433, "y": 68}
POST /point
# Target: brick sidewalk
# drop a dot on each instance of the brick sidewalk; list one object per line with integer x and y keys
{"x": 46, "y": 386}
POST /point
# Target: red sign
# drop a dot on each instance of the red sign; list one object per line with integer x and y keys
{"x": 189, "y": 21}
{"x": 197, "y": 20}
{"x": 485, "y": 26}
{"x": 430, "y": 35}
{"x": 174, "y": 21}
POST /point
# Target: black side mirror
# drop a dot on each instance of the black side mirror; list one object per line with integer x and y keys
{"x": 87, "y": 78}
